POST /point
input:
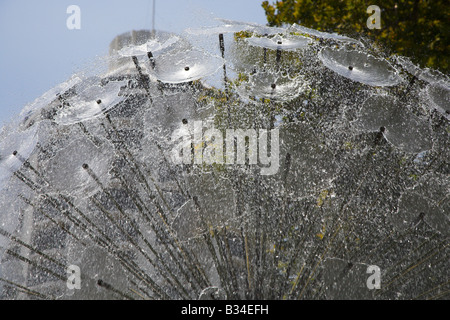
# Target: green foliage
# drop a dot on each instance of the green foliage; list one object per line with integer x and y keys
{"x": 418, "y": 29}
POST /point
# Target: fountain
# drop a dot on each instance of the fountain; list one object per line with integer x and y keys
{"x": 88, "y": 176}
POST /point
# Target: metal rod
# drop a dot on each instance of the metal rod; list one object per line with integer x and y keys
{"x": 109, "y": 287}
{"x": 139, "y": 248}
{"x": 278, "y": 56}
{"x": 111, "y": 247}
{"x": 125, "y": 261}
{"x": 153, "y": 18}
{"x": 27, "y": 290}
{"x": 212, "y": 250}
{"x": 59, "y": 225}
{"x": 139, "y": 233}
{"x": 32, "y": 248}
{"x": 408, "y": 88}
{"x": 142, "y": 77}
{"x": 152, "y": 59}
{"x": 140, "y": 205}
{"x": 137, "y": 171}
{"x": 222, "y": 51}
{"x": 30, "y": 262}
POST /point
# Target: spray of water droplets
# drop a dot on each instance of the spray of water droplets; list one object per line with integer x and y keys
{"x": 89, "y": 177}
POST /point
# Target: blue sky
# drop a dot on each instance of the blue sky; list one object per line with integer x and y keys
{"x": 38, "y": 51}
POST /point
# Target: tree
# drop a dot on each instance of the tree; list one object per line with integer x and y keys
{"x": 418, "y": 29}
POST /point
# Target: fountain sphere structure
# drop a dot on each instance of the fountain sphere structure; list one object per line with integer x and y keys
{"x": 151, "y": 181}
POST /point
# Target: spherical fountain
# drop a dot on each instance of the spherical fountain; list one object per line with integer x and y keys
{"x": 275, "y": 166}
